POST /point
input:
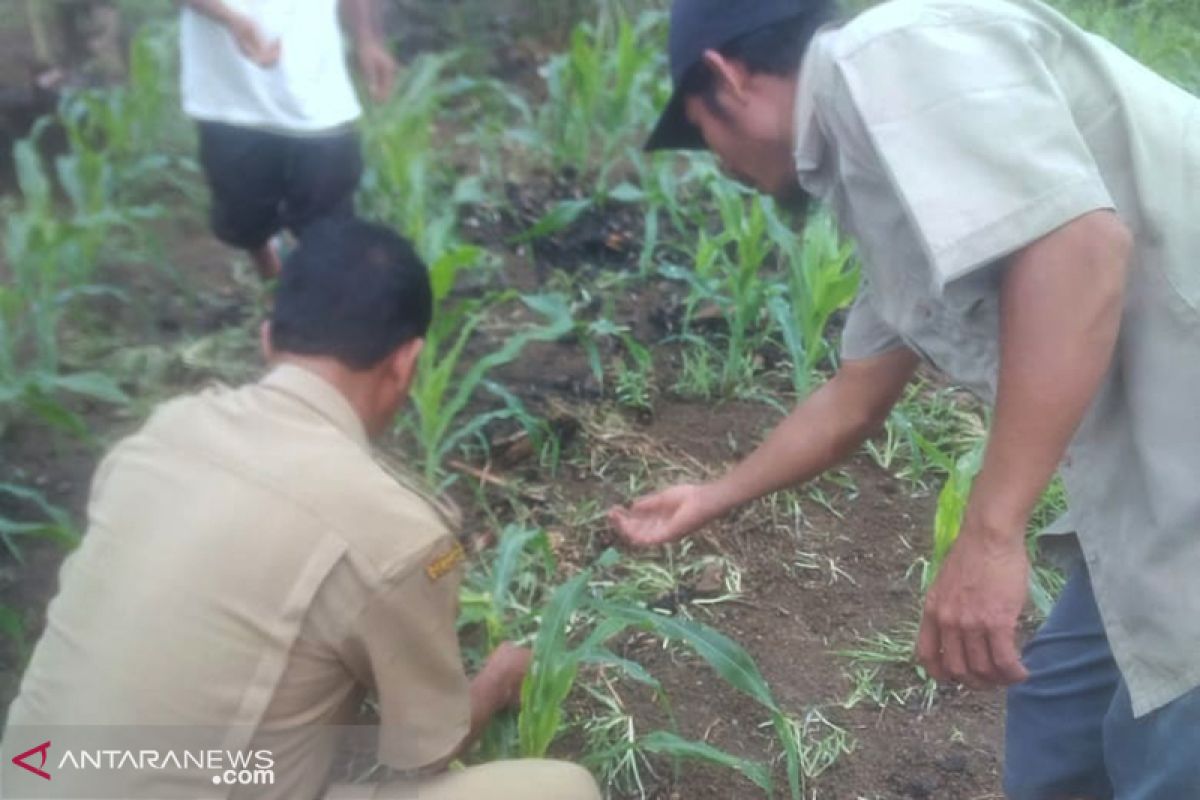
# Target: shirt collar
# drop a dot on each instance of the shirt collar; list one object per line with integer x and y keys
{"x": 811, "y": 147}
{"x": 319, "y": 395}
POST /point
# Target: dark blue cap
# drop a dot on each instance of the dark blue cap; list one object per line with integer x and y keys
{"x": 701, "y": 25}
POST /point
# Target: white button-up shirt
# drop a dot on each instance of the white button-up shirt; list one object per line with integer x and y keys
{"x": 947, "y": 135}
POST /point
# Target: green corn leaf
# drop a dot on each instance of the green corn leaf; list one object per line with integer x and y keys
{"x": 93, "y": 385}
{"x": 602, "y": 657}
{"x": 443, "y": 272}
{"x": 561, "y": 216}
{"x": 31, "y": 176}
{"x": 627, "y": 193}
{"x": 785, "y": 318}
{"x": 672, "y": 745}
{"x": 727, "y": 657}
{"x": 514, "y": 541}
{"x": 552, "y": 671}
{"x": 53, "y": 413}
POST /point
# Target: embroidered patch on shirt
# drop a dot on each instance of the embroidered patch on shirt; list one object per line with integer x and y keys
{"x": 445, "y": 563}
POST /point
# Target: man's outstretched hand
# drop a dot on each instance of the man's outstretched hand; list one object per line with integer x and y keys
{"x": 665, "y": 516}
{"x": 969, "y": 628}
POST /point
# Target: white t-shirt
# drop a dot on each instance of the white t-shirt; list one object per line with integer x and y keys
{"x": 308, "y": 91}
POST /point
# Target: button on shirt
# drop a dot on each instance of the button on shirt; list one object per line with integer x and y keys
{"x": 308, "y": 91}
{"x": 249, "y": 568}
{"x": 946, "y": 136}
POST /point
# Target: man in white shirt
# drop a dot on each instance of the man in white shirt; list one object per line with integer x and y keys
{"x": 267, "y": 82}
{"x": 1023, "y": 197}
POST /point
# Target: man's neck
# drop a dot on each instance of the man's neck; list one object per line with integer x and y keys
{"x": 354, "y": 386}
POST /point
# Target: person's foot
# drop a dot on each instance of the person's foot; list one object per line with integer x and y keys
{"x": 266, "y": 260}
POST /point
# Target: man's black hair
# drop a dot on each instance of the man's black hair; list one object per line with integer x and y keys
{"x": 774, "y": 50}
{"x": 353, "y": 291}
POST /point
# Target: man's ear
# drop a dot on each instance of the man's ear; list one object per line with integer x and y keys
{"x": 264, "y": 341}
{"x": 404, "y": 362}
{"x": 731, "y": 76}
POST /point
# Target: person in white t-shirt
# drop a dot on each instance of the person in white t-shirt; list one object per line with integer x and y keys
{"x": 268, "y": 85}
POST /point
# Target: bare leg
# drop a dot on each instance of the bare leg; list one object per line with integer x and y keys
{"x": 266, "y": 261}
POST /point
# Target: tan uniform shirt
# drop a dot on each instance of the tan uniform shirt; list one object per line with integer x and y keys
{"x": 249, "y": 569}
{"x": 947, "y": 135}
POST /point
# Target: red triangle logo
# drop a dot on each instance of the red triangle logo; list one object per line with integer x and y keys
{"x": 41, "y": 748}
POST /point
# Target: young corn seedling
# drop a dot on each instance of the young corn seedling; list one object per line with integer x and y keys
{"x": 822, "y": 278}
{"x": 573, "y": 629}
{"x": 733, "y": 664}
{"x": 52, "y": 249}
{"x": 952, "y": 504}
{"x": 440, "y": 394}
{"x": 727, "y": 276}
{"x": 406, "y": 183}
{"x": 51, "y": 256}
{"x": 1045, "y": 583}
{"x": 606, "y": 85}
{"x": 664, "y": 190}
{"x": 502, "y": 598}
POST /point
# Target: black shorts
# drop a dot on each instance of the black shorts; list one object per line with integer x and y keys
{"x": 264, "y": 182}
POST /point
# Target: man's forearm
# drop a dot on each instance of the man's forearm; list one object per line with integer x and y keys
{"x": 488, "y": 698}
{"x": 1061, "y": 306}
{"x": 362, "y": 21}
{"x": 821, "y": 432}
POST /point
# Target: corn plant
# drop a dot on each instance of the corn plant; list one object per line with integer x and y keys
{"x": 952, "y": 504}
{"x": 572, "y": 626}
{"x": 665, "y": 191}
{"x": 440, "y": 394}
{"x": 406, "y": 183}
{"x": 727, "y": 273}
{"x": 51, "y": 257}
{"x": 556, "y": 666}
{"x": 734, "y": 665}
{"x": 501, "y": 597}
{"x": 1045, "y": 583}
{"x": 604, "y": 88}
{"x": 114, "y": 132}
{"x": 53, "y": 249}
{"x": 822, "y": 278}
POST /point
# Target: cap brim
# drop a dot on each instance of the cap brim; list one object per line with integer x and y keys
{"x": 674, "y": 131}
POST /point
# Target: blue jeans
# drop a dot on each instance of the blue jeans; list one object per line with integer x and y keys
{"x": 1070, "y": 729}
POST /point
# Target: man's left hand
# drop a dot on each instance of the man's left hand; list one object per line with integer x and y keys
{"x": 969, "y": 628}
{"x": 378, "y": 70}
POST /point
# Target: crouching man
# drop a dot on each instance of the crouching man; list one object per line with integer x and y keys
{"x": 250, "y": 572}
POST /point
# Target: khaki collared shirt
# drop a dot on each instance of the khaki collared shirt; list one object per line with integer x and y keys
{"x": 249, "y": 568}
{"x": 946, "y": 135}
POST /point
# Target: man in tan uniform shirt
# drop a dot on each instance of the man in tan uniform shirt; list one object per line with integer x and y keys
{"x": 250, "y": 572}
